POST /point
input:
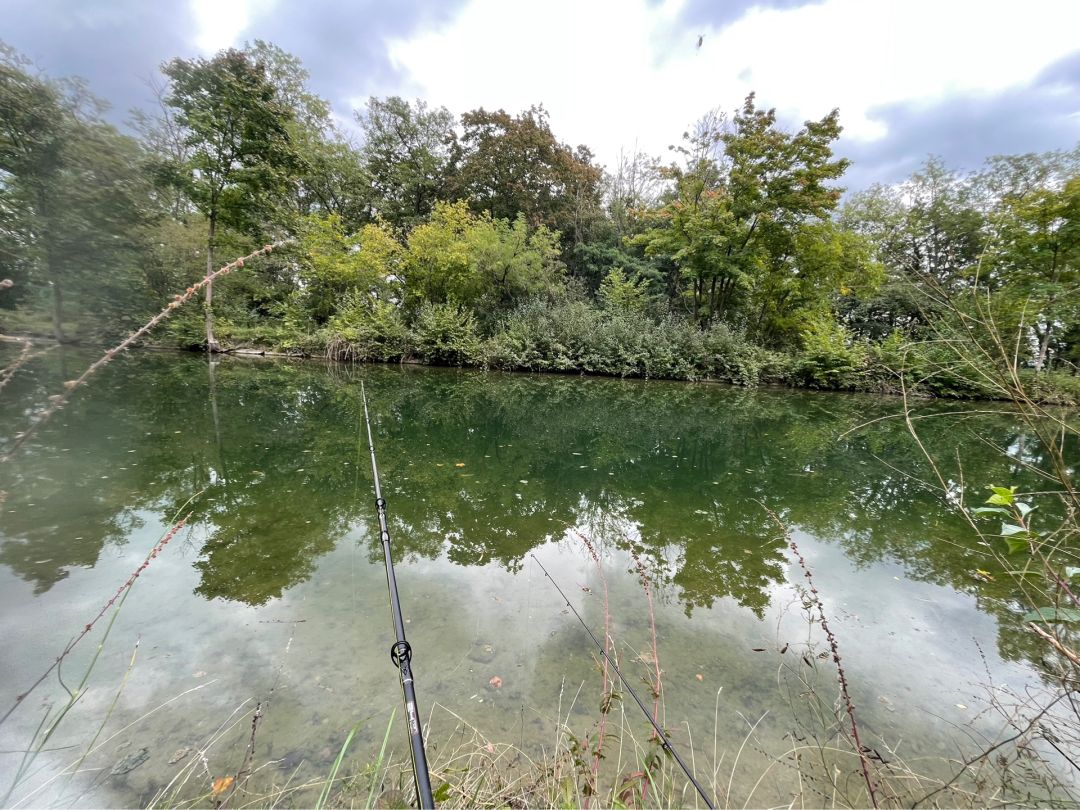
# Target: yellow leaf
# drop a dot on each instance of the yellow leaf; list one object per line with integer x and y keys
{"x": 221, "y": 784}
{"x": 460, "y": 464}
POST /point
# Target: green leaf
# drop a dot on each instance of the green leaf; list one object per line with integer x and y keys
{"x": 1051, "y": 614}
{"x": 1000, "y": 500}
{"x": 1004, "y": 492}
{"x": 1010, "y": 529}
{"x": 1017, "y": 543}
{"x": 1024, "y": 508}
{"x": 989, "y": 510}
{"x": 1071, "y": 572}
{"x": 442, "y": 792}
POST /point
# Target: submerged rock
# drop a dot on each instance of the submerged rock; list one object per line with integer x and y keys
{"x": 179, "y": 754}
{"x": 482, "y": 652}
{"x": 130, "y": 762}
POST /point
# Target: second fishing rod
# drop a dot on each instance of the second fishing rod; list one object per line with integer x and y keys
{"x": 400, "y": 652}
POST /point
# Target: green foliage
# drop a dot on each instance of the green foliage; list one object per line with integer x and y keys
{"x": 72, "y": 203}
{"x": 572, "y": 336}
{"x": 480, "y": 262}
{"x": 236, "y": 128}
{"x": 446, "y": 335}
{"x": 366, "y": 328}
{"x": 830, "y": 358}
{"x": 620, "y": 294}
{"x": 407, "y": 156}
{"x": 334, "y": 264}
{"x": 739, "y": 229}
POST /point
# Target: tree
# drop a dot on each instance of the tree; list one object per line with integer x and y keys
{"x": 408, "y": 157}
{"x": 514, "y": 165}
{"x": 738, "y": 209}
{"x": 478, "y": 261}
{"x": 943, "y": 234}
{"x": 1037, "y": 261}
{"x": 70, "y": 193}
{"x": 241, "y": 157}
{"x": 336, "y": 264}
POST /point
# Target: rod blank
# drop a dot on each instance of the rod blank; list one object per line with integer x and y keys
{"x": 400, "y": 652}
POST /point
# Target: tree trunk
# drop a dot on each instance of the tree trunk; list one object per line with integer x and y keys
{"x": 1044, "y": 348}
{"x": 57, "y": 310}
{"x": 211, "y": 343}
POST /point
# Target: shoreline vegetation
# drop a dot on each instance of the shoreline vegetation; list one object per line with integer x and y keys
{"x": 483, "y": 240}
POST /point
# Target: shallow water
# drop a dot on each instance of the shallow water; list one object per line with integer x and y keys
{"x": 274, "y": 594}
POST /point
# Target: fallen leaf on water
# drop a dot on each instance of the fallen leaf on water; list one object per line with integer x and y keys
{"x": 495, "y": 682}
{"x": 489, "y": 748}
{"x": 961, "y": 706}
{"x": 700, "y": 677}
{"x": 221, "y": 784}
{"x": 460, "y": 464}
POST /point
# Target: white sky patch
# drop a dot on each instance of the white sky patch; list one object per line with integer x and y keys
{"x": 221, "y": 22}
{"x": 613, "y": 73}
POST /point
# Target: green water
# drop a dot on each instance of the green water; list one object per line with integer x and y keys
{"x": 274, "y": 594}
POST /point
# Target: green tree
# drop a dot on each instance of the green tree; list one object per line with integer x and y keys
{"x": 1037, "y": 261}
{"x": 335, "y": 264}
{"x": 738, "y": 206}
{"x": 408, "y": 157}
{"x": 71, "y": 195}
{"x": 479, "y": 261}
{"x": 514, "y": 165}
{"x": 241, "y": 158}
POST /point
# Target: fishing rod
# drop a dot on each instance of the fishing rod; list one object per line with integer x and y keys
{"x": 664, "y": 741}
{"x": 400, "y": 652}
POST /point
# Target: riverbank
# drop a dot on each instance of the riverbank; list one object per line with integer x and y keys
{"x": 611, "y": 347}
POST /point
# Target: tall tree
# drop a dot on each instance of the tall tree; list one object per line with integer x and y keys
{"x": 514, "y": 165}
{"x": 740, "y": 207}
{"x": 408, "y": 155}
{"x": 241, "y": 155}
{"x": 1037, "y": 260}
{"x": 70, "y": 191}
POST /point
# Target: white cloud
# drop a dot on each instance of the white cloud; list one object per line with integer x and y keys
{"x": 616, "y": 72}
{"x": 221, "y": 22}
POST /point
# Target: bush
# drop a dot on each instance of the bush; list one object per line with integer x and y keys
{"x": 574, "y": 336}
{"x": 366, "y": 328}
{"x": 445, "y": 334}
{"x": 830, "y": 358}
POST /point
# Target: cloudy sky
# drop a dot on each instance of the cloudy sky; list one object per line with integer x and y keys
{"x": 962, "y": 79}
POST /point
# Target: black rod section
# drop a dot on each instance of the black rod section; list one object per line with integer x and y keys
{"x": 664, "y": 741}
{"x": 401, "y": 652}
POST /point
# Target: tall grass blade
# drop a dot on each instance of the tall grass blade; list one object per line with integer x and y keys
{"x": 334, "y": 770}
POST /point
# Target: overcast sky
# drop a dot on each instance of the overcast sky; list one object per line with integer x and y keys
{"x": 962, "y": 79}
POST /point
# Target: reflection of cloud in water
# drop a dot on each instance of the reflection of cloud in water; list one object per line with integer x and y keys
{"x": 279, "y": 593}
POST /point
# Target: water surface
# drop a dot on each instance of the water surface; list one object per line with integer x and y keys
{"x": 274, "y": 593}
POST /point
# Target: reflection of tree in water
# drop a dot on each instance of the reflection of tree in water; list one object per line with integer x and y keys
{"x": 684, "y": 465}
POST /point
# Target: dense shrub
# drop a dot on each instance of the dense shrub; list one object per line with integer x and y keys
{"x": 574, "y": 336}
{"x": 830, "y": 358}
{"x": 366, "y": 328}
{"x": 445, "y": 334}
